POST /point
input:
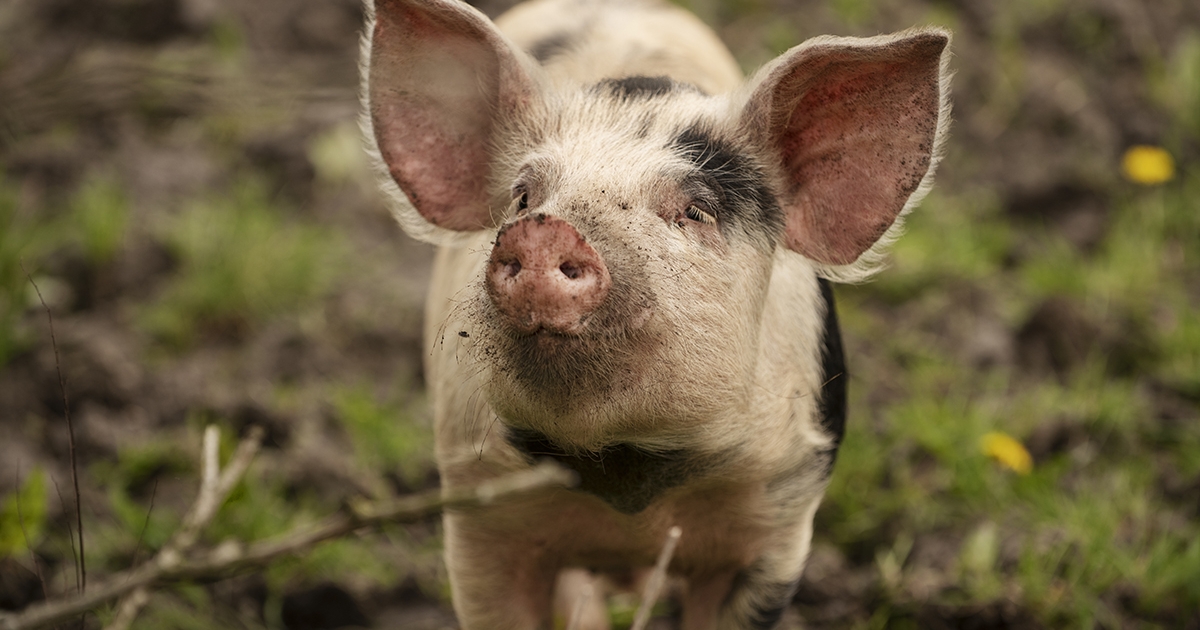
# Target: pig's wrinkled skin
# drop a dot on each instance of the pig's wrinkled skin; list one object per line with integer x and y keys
{"x": 630, "y": 281}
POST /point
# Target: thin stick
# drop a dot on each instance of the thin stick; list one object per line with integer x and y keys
{"x": 70, "y": 532}
{"x": 585, "y": 595}
{"x": 130, "y": 606}
{"x": 145, "y": 525}
{"x": 62, "y": 386}
{"x": 657, "y": 578}
{"x": 229, "y": 558}
{"x": 214, "y": 488}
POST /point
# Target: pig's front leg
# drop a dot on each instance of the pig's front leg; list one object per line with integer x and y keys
{"x": 757, "y": 596}
{"x": 498, "y": 583}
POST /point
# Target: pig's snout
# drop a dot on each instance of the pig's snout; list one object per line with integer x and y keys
{"x": 543, "y": 275}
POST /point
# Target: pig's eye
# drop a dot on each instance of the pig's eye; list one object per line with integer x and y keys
{"x": 694, "y": 213}
{"x": 520, "y": 202}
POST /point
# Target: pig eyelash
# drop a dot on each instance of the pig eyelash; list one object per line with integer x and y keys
{"x": 694, "y": 213}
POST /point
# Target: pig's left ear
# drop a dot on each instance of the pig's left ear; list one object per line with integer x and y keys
{"x": 854, "y": 127}
{"x": 439, "y": 83}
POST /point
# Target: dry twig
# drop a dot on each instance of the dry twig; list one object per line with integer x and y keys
{"x": 81, "y": 577}
{"x": 215, "y": 486}
{"x": 657, "y": 578}
{"x": 581, "y": 602}
{"x": 230, "y": 557}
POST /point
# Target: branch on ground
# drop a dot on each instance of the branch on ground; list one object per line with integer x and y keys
{"x": 178, "y": 562}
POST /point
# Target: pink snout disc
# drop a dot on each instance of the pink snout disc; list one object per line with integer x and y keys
{"x": 543, "y": 275}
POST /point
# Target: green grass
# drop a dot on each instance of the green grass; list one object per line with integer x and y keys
{"x": 386, "y": 438}
{"x": 98, "y": 219}
{"x": 17, "y": 235}
{"x": 94, "y": 220}
{"x": 1088, "y": 538}
{"x": 23, "y": 516}
{"x": 242, "y": 260}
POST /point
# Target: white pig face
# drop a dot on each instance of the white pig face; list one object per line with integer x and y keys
{"x": 654, "y": 177}
{"x": 637, "y": 217}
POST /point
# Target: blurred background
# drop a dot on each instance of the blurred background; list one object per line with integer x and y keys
{"x": 182, "y": 181}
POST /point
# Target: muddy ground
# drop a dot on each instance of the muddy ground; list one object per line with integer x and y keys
{"x": 170, "y": 102}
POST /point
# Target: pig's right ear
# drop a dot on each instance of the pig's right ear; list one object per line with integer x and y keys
{"x": 853, "y": 127}
{"x": 439, "y": 80}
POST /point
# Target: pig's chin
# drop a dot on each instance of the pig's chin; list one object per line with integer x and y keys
{"x": 548, "y": 345}
{"x": 550, "y": 373}
{"x": 546, "y": 356}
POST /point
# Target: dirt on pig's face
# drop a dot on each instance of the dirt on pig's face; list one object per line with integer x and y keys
{"x": 680, "y": 212}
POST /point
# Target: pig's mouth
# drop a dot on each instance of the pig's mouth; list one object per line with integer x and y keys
{"x": 613, "y": 322}
{"x": 601, "y": 346}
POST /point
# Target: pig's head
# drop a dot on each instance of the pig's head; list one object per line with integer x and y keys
{"x": 637, "y": 220}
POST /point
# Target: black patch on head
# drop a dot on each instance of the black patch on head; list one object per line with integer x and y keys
{"x": 745, "y": 199}
{"x": 638, "y": 87}
{"x": 626, "y": 477}
{"x": 832, "y": 403}
{"x": 546, "y": 48}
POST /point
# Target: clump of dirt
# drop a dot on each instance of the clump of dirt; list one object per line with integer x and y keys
{"x": 1059, "y": 336}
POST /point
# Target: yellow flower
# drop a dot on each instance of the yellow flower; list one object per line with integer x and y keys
{"x": 1147, "y": 165}
{"x": 1009, "y": 452}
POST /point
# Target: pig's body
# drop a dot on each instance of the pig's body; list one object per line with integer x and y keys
{"x": 743, "y": 486}
{"x": 684, "y": 357}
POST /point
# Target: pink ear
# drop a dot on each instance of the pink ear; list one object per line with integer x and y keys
{"x": 441, "y": 76}
{"x": 853, "y": 124}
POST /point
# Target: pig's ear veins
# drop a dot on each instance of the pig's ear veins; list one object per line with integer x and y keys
{"x": 855, "y": 126}
{"x": 439, "y": 80}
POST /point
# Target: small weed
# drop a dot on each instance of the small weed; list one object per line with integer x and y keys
{"x": 19, "y": 241}
{"x": 131, "y": 488}
{"x": 23, "y": 516}
{"x": 385, "y": 436}
{"x": 924, "y": 256}
{"x": 98, "y": 217}
{"x": 241, "y": 262}
{"x": 1178, "y": 87}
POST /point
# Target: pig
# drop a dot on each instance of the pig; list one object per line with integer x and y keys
{"x": 636, "y": 246}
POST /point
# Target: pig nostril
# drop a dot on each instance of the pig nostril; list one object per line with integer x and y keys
{"x": 512, "y": 269}
{"x": 570, "y": 270}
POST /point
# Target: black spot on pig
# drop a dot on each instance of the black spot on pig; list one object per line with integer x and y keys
{"x": 832, "y": 403}
{"x": 626, "y": 477}
{"x": 745, "y": 200}
{"x": 773, "y": 598}
{"x": 767, "y": 617}
{"x": 638, "y": 87}
{"x": 549, "y": 47}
